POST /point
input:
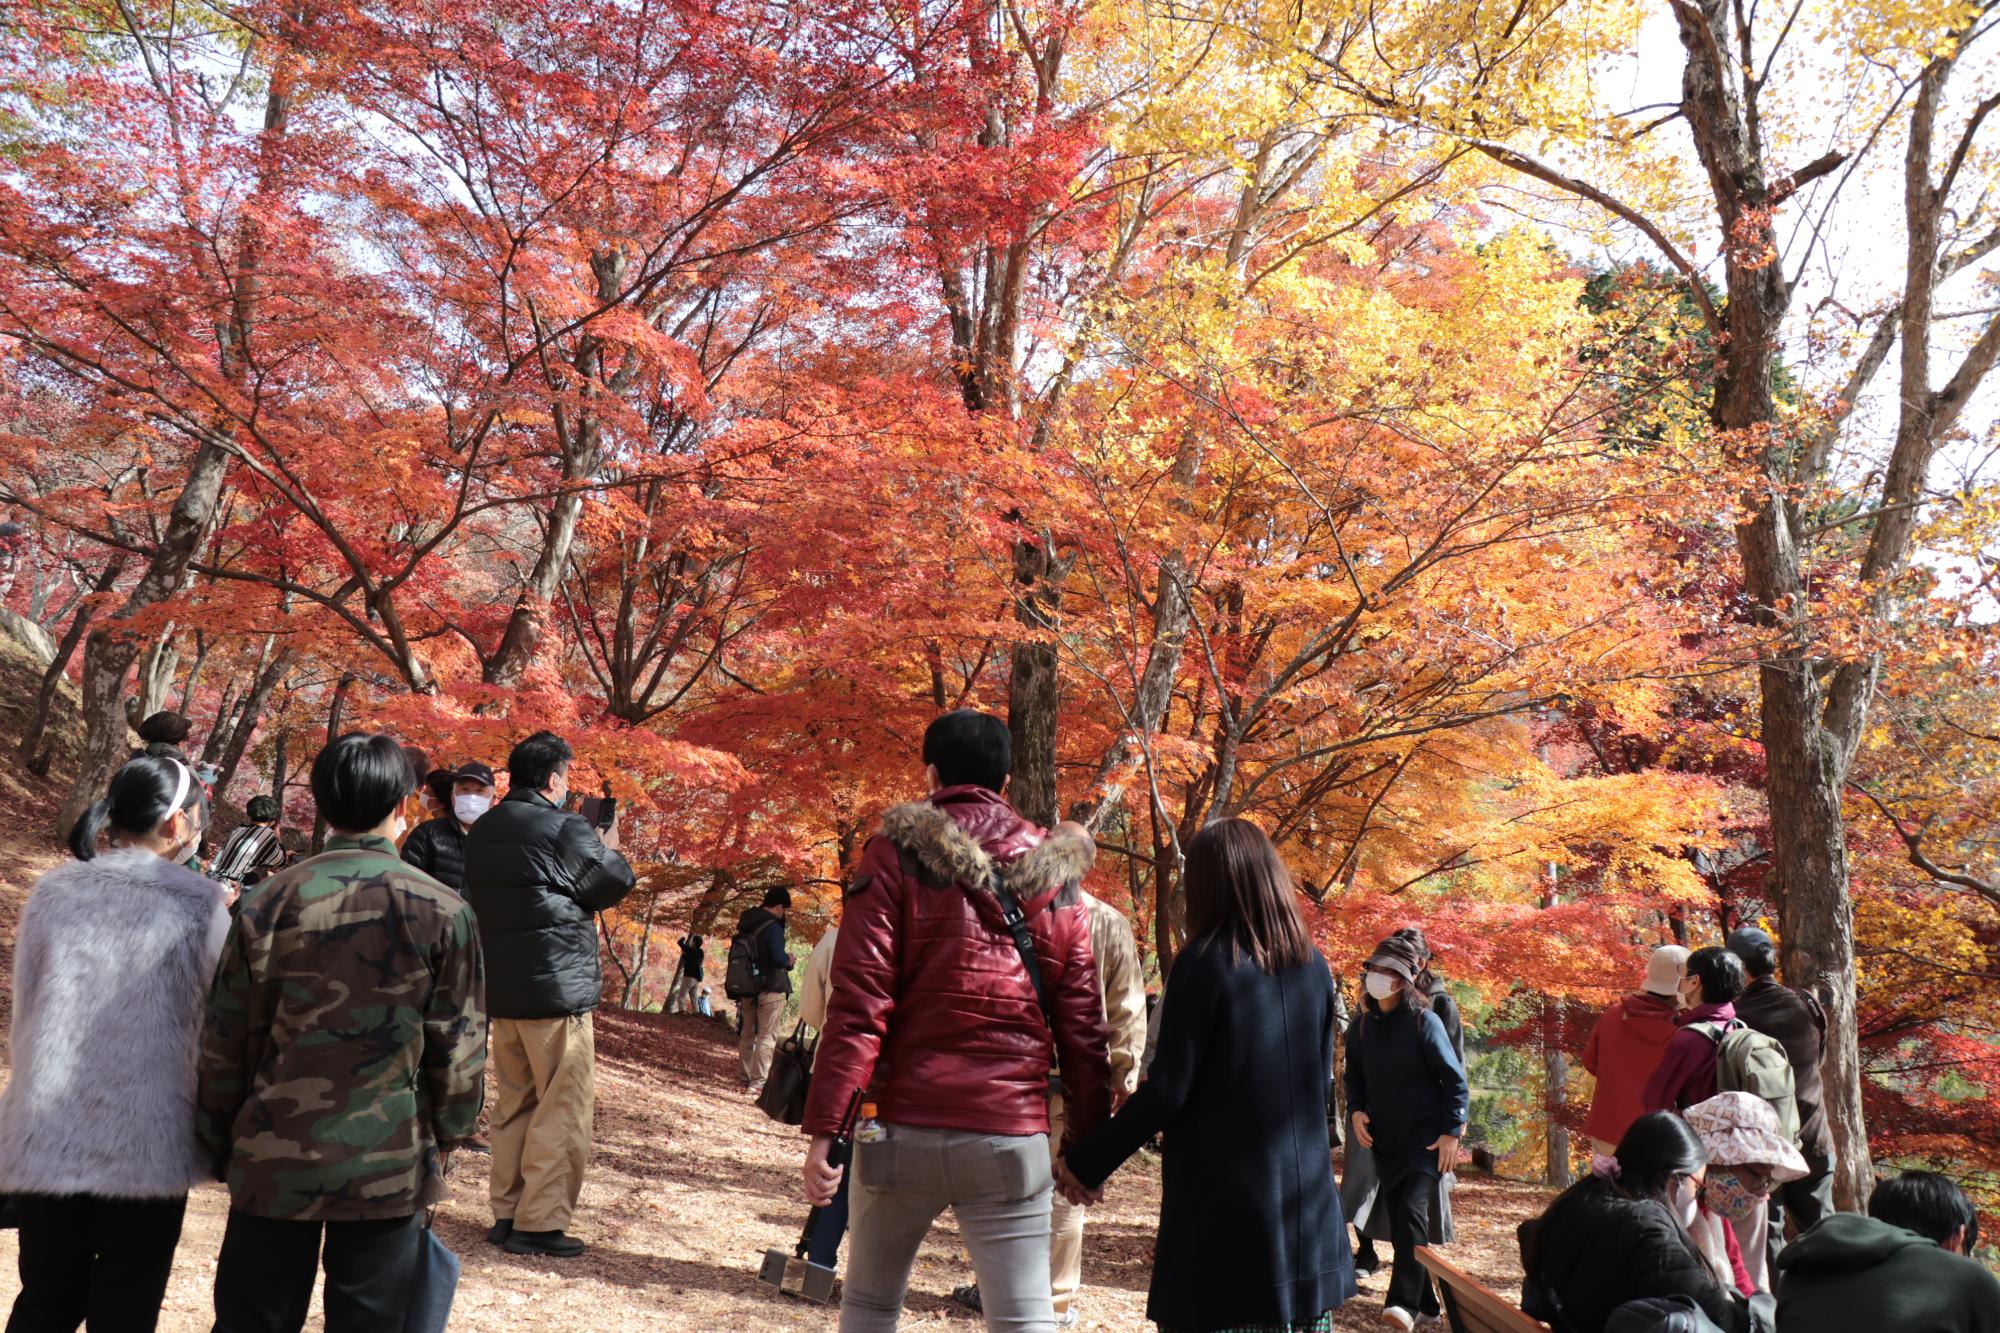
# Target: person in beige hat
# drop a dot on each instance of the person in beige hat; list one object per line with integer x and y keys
{"x": 1626, "y": 1044}
{"x": 1747, "y": 1158}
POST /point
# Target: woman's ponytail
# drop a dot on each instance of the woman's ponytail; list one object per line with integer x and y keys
{"x": 84, "y": 833}
{"x": 145, "y": 791}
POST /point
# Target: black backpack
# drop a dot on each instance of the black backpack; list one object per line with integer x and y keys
{"x": 745, "y": 978}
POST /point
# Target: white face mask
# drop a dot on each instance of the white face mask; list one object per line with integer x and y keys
{"x": 1687, "y": 1198}
{"x": 1380, "y": 985}
{"x": 183, "y": 850}
{"x": 469, "y": 806}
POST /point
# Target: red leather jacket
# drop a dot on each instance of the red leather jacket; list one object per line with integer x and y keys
{"x": 931, "y": 1008}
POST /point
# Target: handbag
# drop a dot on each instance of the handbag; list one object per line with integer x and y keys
{"x": 785, "y": 1087}
{"x": 434, "y": 1283}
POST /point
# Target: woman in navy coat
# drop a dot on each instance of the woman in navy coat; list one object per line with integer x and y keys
{"x": 1407, "y": 1096}
{"x": 1250, "y": 1226}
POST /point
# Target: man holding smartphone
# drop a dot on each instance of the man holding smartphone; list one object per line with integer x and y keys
{"x": 536, "y": 875}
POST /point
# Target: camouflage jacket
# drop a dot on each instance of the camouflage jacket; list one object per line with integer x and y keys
{"x": 345, "y": 1041}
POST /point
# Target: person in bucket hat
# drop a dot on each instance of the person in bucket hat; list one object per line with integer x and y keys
{"x": 1748, "y": 1158}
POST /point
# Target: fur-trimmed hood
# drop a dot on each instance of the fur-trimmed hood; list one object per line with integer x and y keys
{"x": 111, "y": 972}
{"x": 963, "y": 834}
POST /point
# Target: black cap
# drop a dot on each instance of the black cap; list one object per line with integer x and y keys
{"x": 475, "y": 771}
{"x": 1744, "y": 941}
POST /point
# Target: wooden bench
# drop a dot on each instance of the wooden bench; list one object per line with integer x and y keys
{"x": 1470, "y": 1307}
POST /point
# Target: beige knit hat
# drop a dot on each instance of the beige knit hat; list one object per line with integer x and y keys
{"x": 1665, "y": 970}
{"x": 1741, "y": 1129}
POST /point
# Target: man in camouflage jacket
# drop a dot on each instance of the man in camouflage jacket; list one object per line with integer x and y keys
{"x": 343, "y": 1055}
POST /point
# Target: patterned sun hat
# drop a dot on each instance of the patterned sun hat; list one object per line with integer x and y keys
{"x": 1741, "y": 1129}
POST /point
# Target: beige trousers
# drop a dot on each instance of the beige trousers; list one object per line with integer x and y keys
{"x": 541, "y": 1132}
{"x": 759, "y": 1038}
{"x": 1065, "y": 1228}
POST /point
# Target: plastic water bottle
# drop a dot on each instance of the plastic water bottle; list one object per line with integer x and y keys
{"x": 868, "y": 1129}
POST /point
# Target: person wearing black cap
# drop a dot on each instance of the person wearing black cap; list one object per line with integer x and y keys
{"x": 1797, "y": 1021}
{"x": 1407, "y": 1101}
{"x": 437, "y": 846}
{"x": 760, "y": 934}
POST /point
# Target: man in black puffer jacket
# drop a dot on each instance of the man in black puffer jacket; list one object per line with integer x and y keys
{"x": 437, "y": 846}
{"x": 536, "y": 875}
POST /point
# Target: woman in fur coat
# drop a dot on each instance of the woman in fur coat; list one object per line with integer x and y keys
{"x": 97, "y": 1138}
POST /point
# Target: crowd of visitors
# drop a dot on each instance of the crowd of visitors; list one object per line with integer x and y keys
{"x": 316, "y": 1032}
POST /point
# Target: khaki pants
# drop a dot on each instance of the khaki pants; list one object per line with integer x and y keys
{"x": 541, "y": 1131}
{"x": 759, "y": 1037}
{"x": 1065, "y": 1227}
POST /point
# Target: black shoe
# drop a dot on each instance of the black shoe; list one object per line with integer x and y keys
{"x": 501, "y": 1230}
{"x": 548, "y": 1244}
{"x": 968, "y": 1296}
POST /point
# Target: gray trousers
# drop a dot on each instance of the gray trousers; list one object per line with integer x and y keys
{"x": 999, "y": 1188}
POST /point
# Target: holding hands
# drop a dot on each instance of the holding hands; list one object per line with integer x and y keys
{"x": 1073, "y": 1189}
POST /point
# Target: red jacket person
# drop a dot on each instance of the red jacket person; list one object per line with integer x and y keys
{"x": 934, "y": 1014}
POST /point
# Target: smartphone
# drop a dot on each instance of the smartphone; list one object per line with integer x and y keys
{"x": 601, "y": 811}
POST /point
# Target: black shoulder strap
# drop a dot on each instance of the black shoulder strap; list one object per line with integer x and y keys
{"x": 1024, "y": 943}
{"x": 1010, "y": 914}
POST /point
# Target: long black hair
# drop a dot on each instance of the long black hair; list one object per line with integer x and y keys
{"x": 140, "y": 798}
{"x": 1658, "y": 1147}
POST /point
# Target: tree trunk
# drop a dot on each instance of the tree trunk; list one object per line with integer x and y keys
{"x": 1166, "y": 881}
{"x": 1149, "y": 701}
{"x": 1805, "y": 767}
{"x": 109, "y": 652}
{"x": 201, "y": 651}
{"x": 1033, "y": 694}
{"x": 333, "y": 716}
{"x": 33, "y": 755}
{"x": 280, "y": 766}
{"x": 219, "y": 730}
{"x": 582, "y": 442}
{"x": 156, "y": 677}
{"x": 249, "y": 716}
{"x": 1555, "y": 1078}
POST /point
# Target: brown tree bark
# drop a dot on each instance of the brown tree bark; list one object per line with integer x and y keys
{"x": 1034, "y": 697}
{"x": 110, "y": 652}
{"x": 248, "y": 717}
{"x": 34, "y": 756}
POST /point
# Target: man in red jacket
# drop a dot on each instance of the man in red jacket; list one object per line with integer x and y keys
{"x": 935, "y": 1014}
{"x": 1625, "y": 1047}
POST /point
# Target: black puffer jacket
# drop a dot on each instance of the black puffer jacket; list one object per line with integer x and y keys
{"x": 437, "y": 847}
{"x": 534, "y": 876}
{"x": 1597, "y": 1248}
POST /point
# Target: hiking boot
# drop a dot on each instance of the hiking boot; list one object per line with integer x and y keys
{"x": 501, "y": 1230}
{"x": 547, "y": 1244}
{"x": 968, "y": 1296}
{"x": 480, "y": 1144}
